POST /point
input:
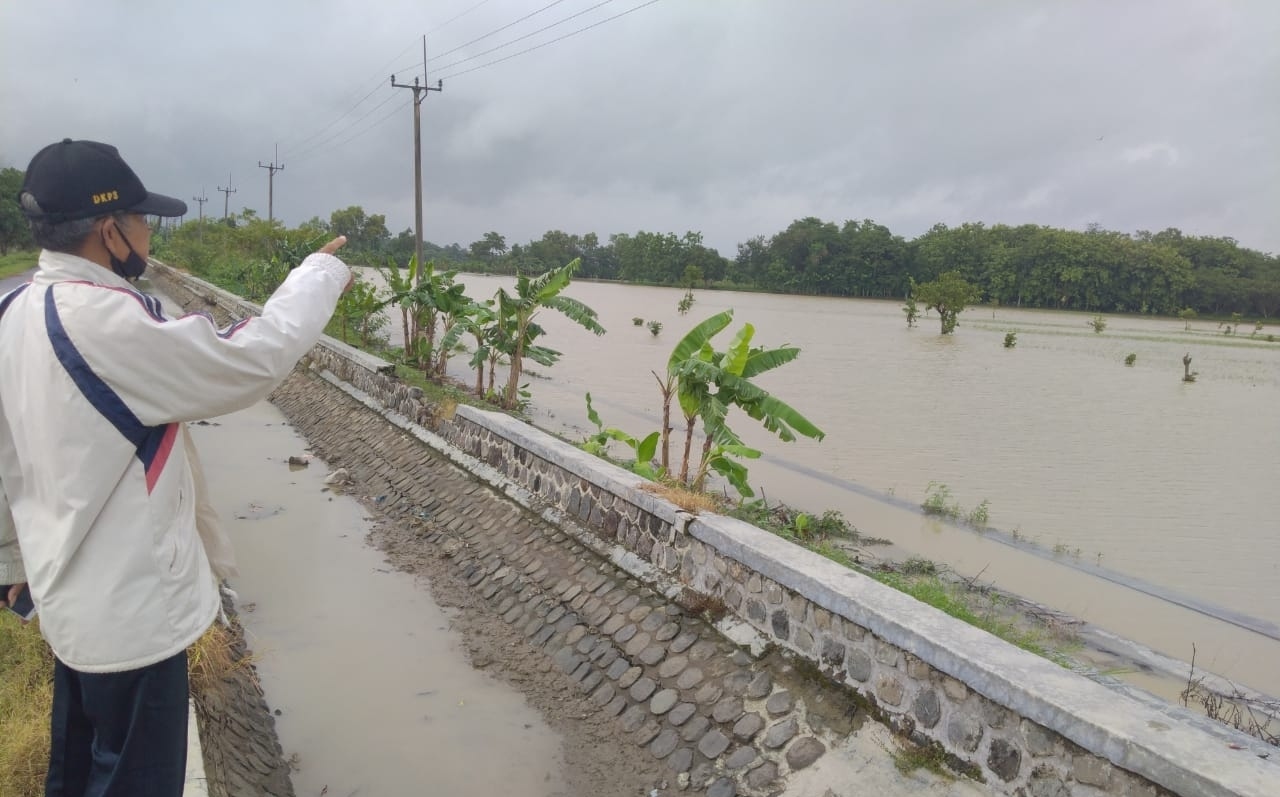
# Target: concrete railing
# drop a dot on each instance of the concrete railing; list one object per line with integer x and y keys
{"x": 1020, "y": 722}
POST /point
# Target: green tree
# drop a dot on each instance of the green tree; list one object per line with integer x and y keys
{"x": 875, "y": 260}
{"x": 517, "y": 310}
{"x": 812, "y": 255}
{"x": 490, "y": 245}
{"x": 366, "y": 235}
{"x": 663, "y": 258}
{"x": 14, "y": 232}
{"x": 751, "y": 264}
{"x": 949, "y": 294}
{"x": 316, "y": 224}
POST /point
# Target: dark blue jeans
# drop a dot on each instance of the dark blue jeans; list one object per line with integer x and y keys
{"x": 119, "y": 734}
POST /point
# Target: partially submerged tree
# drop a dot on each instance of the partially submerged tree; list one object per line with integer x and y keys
{"x": 949, "y": 294}
{"x": 911, "y": 308}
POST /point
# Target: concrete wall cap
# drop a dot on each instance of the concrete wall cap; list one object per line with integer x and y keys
{"x": 603, "y": 474}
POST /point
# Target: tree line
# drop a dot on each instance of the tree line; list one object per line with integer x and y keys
{"x": 1094, "y": 270}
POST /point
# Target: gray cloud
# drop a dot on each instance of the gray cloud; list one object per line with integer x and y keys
{"x": 732, "y": 118}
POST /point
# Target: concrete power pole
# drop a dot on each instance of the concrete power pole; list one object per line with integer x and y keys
{"x": 419, "y": 94}
{"x": 271, "y": 168}
{"x": 201, "y": 199}
{"x": 226, "y": 196}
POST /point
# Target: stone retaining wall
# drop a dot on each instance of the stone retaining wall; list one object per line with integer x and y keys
{"x": 1021, "y": 723}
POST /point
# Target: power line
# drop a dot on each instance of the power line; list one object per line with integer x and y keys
{"x": 498, "y": 30}
{"x": 495, "y": 31}
{"x": 325, "y": 145}
{"x": 319, "y": 132}
{"x": 376, "y": 76}
{"x": 226, "y": 196}
{"x": 552, "y": 41}
{"x": 201, "y": 199}
{"x": 410, "y": 68}
{"x": 271, "y": 183}
{"x": 309, "y": 149}
{"x": 456, "y": 18}
{"x": 311, "y": 154}
{"x": 320, "y": 144}
{"x": 527, "y": 35}
{"x": 393, "y": 112}
{"x": 420, "y": 94}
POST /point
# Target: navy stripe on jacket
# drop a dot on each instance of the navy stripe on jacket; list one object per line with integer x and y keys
{"x": 152, "y": 442}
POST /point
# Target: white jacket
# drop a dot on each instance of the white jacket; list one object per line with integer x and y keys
{"x": 95, "y": 463}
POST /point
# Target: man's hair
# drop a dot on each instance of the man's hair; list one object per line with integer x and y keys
{"x": 66, "y": 236}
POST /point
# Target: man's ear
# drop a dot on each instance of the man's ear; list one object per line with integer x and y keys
{"x": 112, "y": 238}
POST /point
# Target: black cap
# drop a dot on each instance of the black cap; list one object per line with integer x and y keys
{"x": 83, "y": 179}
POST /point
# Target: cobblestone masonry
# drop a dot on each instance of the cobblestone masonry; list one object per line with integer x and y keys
{"x": 242, "y": 754}
{"x": 964, "y": 710}
{"x": 1014, "y": 755}
{"x": 674, "y": 685}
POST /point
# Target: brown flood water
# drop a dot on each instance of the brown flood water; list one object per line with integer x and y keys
{"x": 1120, "y": 495}
{"x": 375, "y": 693}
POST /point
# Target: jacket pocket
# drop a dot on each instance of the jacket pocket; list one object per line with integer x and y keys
{"x": 173, "y": 537}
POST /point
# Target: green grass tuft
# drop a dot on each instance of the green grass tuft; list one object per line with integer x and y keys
{"x": 15, "y": 263}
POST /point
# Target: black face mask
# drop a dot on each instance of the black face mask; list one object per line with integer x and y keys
{"x": 132, "y": 266}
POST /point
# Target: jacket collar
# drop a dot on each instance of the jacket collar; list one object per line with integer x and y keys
{"x": 63, "y": 267}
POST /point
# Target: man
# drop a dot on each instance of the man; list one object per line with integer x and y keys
{"x": 103, "y": 490}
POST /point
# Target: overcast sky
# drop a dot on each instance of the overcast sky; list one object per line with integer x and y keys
{"x": 730, "y": 117}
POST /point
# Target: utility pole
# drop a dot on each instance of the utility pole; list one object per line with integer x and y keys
{"x": 419, "y": 94}
{"x": 226, "y": 196}
{"x": 271, "y": 168}
{"x": 201, "y": 199}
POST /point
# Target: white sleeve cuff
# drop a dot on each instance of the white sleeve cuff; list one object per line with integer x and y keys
{"x": 12, "y": 573}
{"x": 331, "y": 266}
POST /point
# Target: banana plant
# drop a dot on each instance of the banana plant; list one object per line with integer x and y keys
{"x": 517, "y": 310}
{"x": 400, "y": 284}
{"x": 477, "y": 320}
{"x": 452, "y": 303}
{"x": 420, "y": 297}
{"x": 718, "y": 456}
{"x": 690, "y": 344}
{"x": 643, "y": 450}
{"x": 359, "y": 307}
{"x": 707, "y": 384}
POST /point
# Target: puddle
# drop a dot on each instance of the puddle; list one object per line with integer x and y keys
{"x": 375, "y": 694}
